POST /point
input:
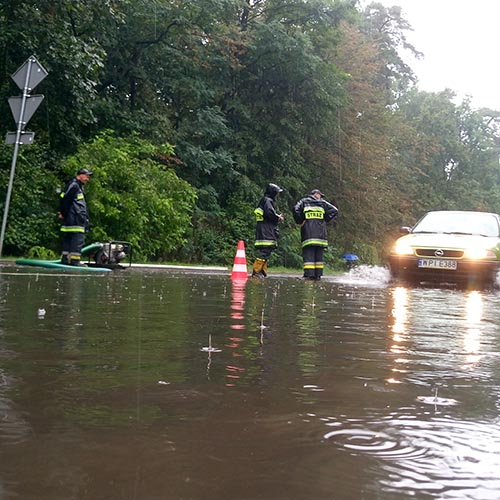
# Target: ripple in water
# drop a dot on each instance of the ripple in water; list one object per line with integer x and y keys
{"x": 444, "y": 458}
{"x": 372, "y": 442}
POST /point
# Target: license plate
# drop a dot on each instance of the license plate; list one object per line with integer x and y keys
{"x": 437, "y": 264}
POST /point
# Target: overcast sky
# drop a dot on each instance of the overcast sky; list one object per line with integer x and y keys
{"x": 460, "y": 41}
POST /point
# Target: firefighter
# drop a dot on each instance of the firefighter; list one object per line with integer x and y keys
{"x": 267, "y": 233}
{"x": 74, "y": 216}
{"x": 312, "y": 213}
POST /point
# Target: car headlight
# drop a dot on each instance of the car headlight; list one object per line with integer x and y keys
{"x": 402, "y": 248}
{"x": 479, "y": 253}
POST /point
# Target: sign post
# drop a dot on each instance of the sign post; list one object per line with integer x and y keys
{"x": 27, "y": 77}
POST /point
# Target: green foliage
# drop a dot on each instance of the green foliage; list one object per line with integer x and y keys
{"x": 133, "y": 195}
{"x": 67, "y": 38}
{"x": 367, "y": 253}
{"x": 449, "y": 159}
{"x": 39, "y": 252}
{"x": 33, "y": 205}
{"x": 289, "y": 252}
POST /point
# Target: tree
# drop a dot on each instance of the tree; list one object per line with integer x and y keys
{"x": 452, "y": 152}
{"x": 67, "y": 38}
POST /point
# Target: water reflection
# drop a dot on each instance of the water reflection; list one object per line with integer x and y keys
{"x": 399, "y": 331}
{"x": 472, "y": 337}
{"x": 234, "y": 370}
{"x": 410, "y": 311}
{"x": 399, "y": 313}
{"x": 308, "y": 328}
{"x": 238, "y": 304}
{"x": 200, "y": 387}
{"x": 431, "y": 332}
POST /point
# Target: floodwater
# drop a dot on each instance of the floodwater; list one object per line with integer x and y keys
{"x": 161, "y": 385}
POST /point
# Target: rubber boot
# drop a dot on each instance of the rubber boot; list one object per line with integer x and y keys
{"x": 74, "y": 260}
{"x": 257, "y": 268}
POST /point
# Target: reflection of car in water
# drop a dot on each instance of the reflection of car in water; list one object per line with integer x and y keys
{"x": 449, "y": 246}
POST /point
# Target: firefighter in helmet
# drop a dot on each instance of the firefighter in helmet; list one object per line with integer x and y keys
{"x": 312, "y": 213}
{"x": 267, "y": 233}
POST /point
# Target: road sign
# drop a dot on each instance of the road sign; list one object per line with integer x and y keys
{"x": 24, "y": 138}
{"x": 27, "y": 77}
{"x": 36, "y": 74}
{"x": 31, "y": 105}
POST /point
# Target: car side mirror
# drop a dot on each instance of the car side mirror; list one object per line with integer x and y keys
{"x": 405, "y": 230}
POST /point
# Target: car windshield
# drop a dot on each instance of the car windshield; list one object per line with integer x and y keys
{"x": 476, "y": 223}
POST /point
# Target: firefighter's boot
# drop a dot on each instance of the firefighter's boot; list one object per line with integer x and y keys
{"x": 75, "y": 259}
{"x": 257, "y": 271}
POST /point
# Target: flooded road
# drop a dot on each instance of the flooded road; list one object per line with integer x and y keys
{"x": 162, "y": 385}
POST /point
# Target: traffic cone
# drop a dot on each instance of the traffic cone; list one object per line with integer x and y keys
{"x": 240, "y": 263}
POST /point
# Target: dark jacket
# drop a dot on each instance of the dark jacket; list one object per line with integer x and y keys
{"x": 267, "y": 218}
{"x": 73, "y": 208}
{"x": 313, "y": 214}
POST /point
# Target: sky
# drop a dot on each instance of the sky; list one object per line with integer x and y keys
{"x": 460, "y": 41}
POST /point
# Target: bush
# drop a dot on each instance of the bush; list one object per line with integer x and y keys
{"x": 38, "y": 252}
{"x": 134, "y": 195}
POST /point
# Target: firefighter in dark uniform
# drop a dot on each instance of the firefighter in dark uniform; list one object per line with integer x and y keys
{"x": 266, "y": 234}
{"x": 75, "y": 219}
{"x": 312, "y": 213}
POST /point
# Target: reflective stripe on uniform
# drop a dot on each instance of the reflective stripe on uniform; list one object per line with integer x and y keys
{"x": 72, "y": 229}
{"x": 314, "y": 265}
{"x": 265, "y": 243}
{"x": 313, "y": 241}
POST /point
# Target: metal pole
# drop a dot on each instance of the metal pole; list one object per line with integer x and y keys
{"x": 20, "y": 127}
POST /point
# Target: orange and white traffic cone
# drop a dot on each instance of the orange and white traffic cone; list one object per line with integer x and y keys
{"x": 240, "y": 263}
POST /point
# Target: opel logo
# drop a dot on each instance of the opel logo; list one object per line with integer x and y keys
{"x": 439, "y": 253}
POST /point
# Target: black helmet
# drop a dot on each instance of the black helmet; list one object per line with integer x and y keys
{"x": 272, "y": 190}
{"x": 317, "y": 191}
